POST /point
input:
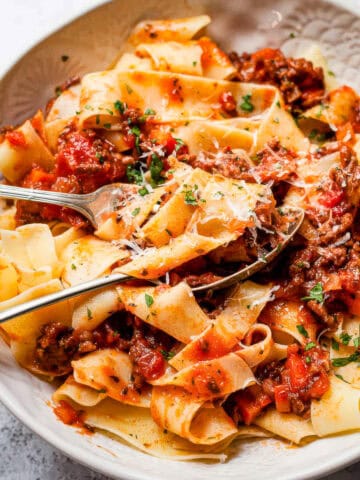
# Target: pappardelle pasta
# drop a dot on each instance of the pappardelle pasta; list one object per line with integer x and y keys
{"x": 211, "y": 151}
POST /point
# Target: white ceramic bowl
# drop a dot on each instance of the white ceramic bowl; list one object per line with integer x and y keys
{"x": 91, "y": 42}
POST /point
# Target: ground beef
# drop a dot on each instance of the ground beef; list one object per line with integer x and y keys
{"x": 57, "y": 345}
{"x": 274, "y": 163}
{"x": 301, "y": 84}
{"x": 226, "y": 163}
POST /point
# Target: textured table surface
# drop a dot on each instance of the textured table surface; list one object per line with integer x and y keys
{"x": 24, "y": 455}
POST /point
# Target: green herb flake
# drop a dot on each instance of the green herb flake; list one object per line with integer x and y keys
{"x": 356, "y": 342}
{"x": 168, "y": 232}
{"x": 148, "y": 300}
{"x": 340, "y": 377}
{"x": 110, "y": 112}
{"x": 334, "y": 344}
{"x": 189, "y": 194}
{"x": 292, "y": 35}
{"x": 301, "y": 329}
{"x": 246, "y": 105}
{"x": 321, "y": 109}
{"x": 135, "y": 212}
{"x": 194, "y": 63}
{"x": 316, "y": 293}
{"x": 58, "y": 91}
{"x": 100, "y": 157}
{"x": 97, "y": 120}
{"x": 167, "y": 355}
{"x": 107, "y": 125}
{"x": 143, "y": 191}
{"x": 309, "y": 346}
{"x": 331, "y": 73}
{"x": 343, "y": 361}
{"x": 120, "y": 106}
{"x": 278, "y": 104}
{"x": 134, "y": 175}
{"x": 89, "y": 313}
{"x": 73, "y": 266}
{"x": 218, "y": 195}
{"x": 345, "y": 338}
{"x": 179, "y": 143}
{"x": 102, "y": 390}
{"x": 307, "y": 359}
{"x": 313, "y": 133}
{"x": 129, "y": 89}
{"x": 149, "y": 111}
{"x": 156, "y": 167}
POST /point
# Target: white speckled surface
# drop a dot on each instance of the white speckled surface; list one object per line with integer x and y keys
{"x": 24, "y": 456}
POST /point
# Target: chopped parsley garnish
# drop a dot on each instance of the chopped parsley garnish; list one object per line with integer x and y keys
{"x": 102, "y": 390}
{"x": 137, "y": 132}
{"x": 356, "y": 342}
{"x": 309, "y": 346}
{"x": 343, "y": 361}
{"x": 107, "y": 125}
{"x": 321, "y": 109}
{"x": 218, "y": 195}
{"x": 246, "y": 105}
{"x": 134, "y": 175}
{"x": 156, "y": 167}
{"x": 120, "y": 106}
{"x": 318, "y": 136}
{"x": 334, "y": 344}
{"x": 149, "y": 111}
{"x": 301, "y": 329}
{"x": 307, "y": 359}
{"x": 292, "y": 35}
{"x": 263, "y": 258}
{"x": 89, "y": 313}
{"x": 64, "y": 58}
{"x": 313, "y": 133}
{"x": 189, "y": 194}
{"x": 110, "y": 112}
{"x": 73, "y": 266}
{"x": 58, "y": 91}
{"x": 88, "y": 107}
{"x": 168, "y": 232}
{"x": 97, "y": 120}
{"x": 100, "y": 157}
{"x": 331, "y": 73}
{"x": 135, "y": 212}
{"x": 194, "y": 63}
{"x": 179, "y": 143}
{"x": 129, "y": 89}
{"x": 143, "y": 191}
{"x": 148, "y": 300}
{"x": 278, "y": 104}
{"x": 345, "y": 338}
{"x": 341, "y": 377}
{"x": 167, "y": 355}
{"x": 316, "y": 293}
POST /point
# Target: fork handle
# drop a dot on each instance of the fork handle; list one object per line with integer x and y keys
{"x": 56, "y": 297}
{"x": 71, "y": 200}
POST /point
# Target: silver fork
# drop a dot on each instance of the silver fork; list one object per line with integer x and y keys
{"x": 92, "y": 205}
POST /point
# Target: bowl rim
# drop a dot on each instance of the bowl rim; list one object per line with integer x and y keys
{"x": 78, "y": 453}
